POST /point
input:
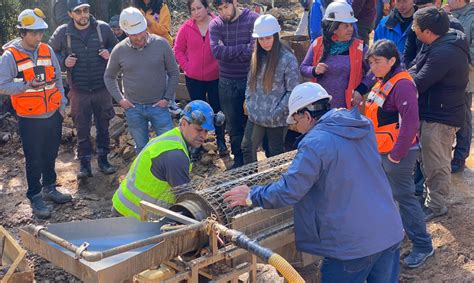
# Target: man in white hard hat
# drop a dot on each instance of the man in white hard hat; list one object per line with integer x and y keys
{"x": 30, "y": 73}
{"x": 343, "y": 205}
{"x": 150, "y": 77}
{"x": 83, "y": 47}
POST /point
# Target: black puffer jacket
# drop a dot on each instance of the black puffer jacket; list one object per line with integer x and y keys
{"x": 88, "y": 73}
{"x": 442, "y": 73}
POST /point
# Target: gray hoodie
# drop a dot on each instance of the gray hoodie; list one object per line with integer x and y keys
{"x": 9, "y": 71}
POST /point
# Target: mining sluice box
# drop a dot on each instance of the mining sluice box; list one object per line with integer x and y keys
{"x": 116, "y": 249}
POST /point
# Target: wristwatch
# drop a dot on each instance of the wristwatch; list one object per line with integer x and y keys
{"x": 248, "y": 201}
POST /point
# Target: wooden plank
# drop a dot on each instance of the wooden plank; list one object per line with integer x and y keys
{"x": 13, "y": 255}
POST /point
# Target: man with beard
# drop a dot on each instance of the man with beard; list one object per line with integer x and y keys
{"x": 83, "y": 47}
{"x": 232, "y": 45}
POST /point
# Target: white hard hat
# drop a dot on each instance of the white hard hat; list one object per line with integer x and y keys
{"x": 265, "y": 25}
{"x": 303, "y": 95}
{"x": 132, "y": 21}
{"x": 32, "y": 19}
{"x": 340, "y": 11}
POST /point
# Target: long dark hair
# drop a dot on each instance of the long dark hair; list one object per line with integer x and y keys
{"x": 387, "y": 49}
{"x": 328, "y": 28}
{"x": 154, "y": 5}
{"x": 256, "y": 63}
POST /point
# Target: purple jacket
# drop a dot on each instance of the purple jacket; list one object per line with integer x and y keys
{"x": 232, "y": 44}
{"x": 364, "y": 11}
{"x": 336, "y": 78}
{"x": 404, "y": 99}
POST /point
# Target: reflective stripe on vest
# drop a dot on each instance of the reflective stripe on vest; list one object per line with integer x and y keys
{"x": 356, "y": 56}
{"x": 386, "y": 135}
{"x": 34, "y": 102}
{"x": 128, "y": 195}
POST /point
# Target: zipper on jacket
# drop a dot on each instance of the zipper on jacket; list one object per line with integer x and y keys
{"x": 386, "y": 133}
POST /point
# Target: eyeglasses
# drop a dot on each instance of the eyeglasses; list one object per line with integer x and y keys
{"x": 84, "y": 10}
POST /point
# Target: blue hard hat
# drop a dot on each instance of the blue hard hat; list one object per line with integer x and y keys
{"x": 200, "y": 113}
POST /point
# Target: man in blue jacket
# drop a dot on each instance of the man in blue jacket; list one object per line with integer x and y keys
{"x": 395, "y": 26}
{"x": 343, "y": 205}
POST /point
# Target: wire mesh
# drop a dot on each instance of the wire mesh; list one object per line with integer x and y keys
{"x": 212, "y": 189}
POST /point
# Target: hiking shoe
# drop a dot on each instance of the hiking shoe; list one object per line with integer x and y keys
{"x": 457, "y": 165}
{"x": 39, "y": 208}
{"x": 50, "y": 193}
{"x": 104, "y": 165}
{"x": 85, "y": 170}
{"x": 416, "y": 259}
{"x": 430, "y": 214}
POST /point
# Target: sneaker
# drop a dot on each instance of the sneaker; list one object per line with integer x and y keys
{"x": 457, "y": 165}
{"x": 39, "y": 208}
{"x": 430, "y": 214}
{"x": 50, "y": 193}
{"x": 416, "y": 259}
{"x": 104, "y": 165}
{"x": 85, "y": 170}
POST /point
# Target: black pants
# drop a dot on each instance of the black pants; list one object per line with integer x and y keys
{"x": 198, "y": 90}
{"x": 40, "y": 139}
{"x": 84, "y": 105}
{"x": 232, "y": 96}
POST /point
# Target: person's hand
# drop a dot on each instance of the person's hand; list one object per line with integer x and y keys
{"x": 104, "y": 53}
{"x": 35, "y": 84}
{"x": 321, "y": 68}
{"x": 392, "y": 160}
{"x": 386, "y": 8}
{"x": 125, "y": 104}
{"x": 162, "y": 103}
{"x": 70, "y": 61}
{"x": 356, "y": 99}
{"x": 237, "y": 196}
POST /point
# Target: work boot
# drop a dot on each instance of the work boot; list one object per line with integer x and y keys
{"x": 415, "y": 259}
{"x": 104, "y": 165}
{"x": 85, "y": 170}
{"x": 430, "y": 214}
{"x": 39, "y": 208}
{"x": 50, "y": 193}
{"x": 457, "y": 165}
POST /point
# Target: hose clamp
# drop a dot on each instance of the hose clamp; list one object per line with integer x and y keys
{"x": 37, "y": 230}
{"x": 81, "y": 249}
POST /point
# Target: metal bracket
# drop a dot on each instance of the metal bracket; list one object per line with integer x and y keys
{"x": 37, "y": 230}
{"x": 81, "y": 249}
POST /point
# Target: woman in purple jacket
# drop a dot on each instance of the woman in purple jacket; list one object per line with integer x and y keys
{"x": 193, "y": 53}
{"x": 392, "y": 105}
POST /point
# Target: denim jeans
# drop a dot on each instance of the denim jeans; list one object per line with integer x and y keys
{"x": 253, "y": 137}
{"x": 40, "y": 139}
{"x": 464, "y": 135}
{"x": 400, "y": 177}
{"x": 232, "y": 96}
{"x": 207, "y": 91}
{"x": 138, "y": 118}
{"x": 382, "y": 267}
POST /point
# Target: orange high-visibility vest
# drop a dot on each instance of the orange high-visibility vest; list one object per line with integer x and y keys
{"x": 34, "y": 102}
{"x": 356, "y": 57}
{"x": 387, "y": 134}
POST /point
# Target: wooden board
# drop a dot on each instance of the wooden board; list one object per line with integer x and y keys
{"x": 13, "y": 255}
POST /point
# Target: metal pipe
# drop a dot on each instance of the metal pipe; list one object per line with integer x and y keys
{"x": 81, "y": 251}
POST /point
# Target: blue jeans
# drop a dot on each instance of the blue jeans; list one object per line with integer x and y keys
{"x": 400, "y": 177}
{"x": 382, "y": 267}
{"x": 464, "y": 135}
{"x": 138, "y": 118}
{"x": 232, "y": 96}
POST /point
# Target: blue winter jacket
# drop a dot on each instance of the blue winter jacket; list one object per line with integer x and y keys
{"x": 343, "y": 205}
{"x": 393, "y": 33}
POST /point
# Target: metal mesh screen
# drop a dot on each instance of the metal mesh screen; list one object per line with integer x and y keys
{"x": 211, "y": 190}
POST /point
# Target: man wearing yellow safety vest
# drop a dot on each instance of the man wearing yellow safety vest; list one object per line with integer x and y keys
{"x": 164, "y": 162}
{"x": 30, "y": 73}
